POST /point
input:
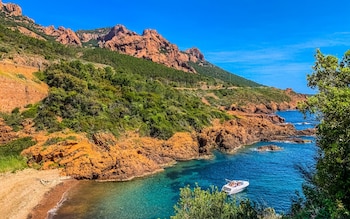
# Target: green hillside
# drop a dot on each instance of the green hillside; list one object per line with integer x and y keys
{"x": 126, "y": 93}
{"x": 89, "y": 99}
{"x": 210, "y": 70}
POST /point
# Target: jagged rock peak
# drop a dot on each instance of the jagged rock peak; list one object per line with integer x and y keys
{"x": 63, "y": 35}
{"x": 150, "y": 45}
{"x": 118, "y": 31}
{"x": 11, "y": 9}
{"x": 196, "y": 53}
{"x": 147, "y": 32}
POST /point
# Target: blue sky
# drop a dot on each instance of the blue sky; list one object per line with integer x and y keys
{"x": 271, "y": 42}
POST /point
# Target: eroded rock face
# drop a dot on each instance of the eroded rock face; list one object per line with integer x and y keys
{"x": 272, "y": 107}
{"x": 63, "y": 35}
{"x": 86, "y": 36}
{"x": 195, "y": 55}
{"x": 6, "y": 133}
{"x": 150, "y": 45}
{"x": 106, "y": 158}
{"x": 231, "y": 135}
{"x": 11, "y": 9}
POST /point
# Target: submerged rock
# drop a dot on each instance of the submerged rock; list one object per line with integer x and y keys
{"x": 270, "y": 147}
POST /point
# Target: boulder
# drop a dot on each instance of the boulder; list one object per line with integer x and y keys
{"x": 270, "y": 147}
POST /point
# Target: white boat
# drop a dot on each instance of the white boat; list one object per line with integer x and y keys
{"x": 234, "y": 186}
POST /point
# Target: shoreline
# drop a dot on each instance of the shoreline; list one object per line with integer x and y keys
{"x": 21, "y": 192}
{"x": 52, "y": 200}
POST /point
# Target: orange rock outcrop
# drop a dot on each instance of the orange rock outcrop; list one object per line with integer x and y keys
{"x": 6, "y": 133}
{"x": 272, "y": 107}
{"x": 108, "y": 158}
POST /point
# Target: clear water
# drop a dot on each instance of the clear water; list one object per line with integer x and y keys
{"x": 272, "y": 176}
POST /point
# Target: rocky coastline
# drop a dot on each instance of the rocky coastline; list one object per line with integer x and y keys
{"x": 107, "y": 158}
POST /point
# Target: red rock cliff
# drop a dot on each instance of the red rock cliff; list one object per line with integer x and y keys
{"x": 63, "y": 35}
{"x": 11, "y": 9}
{"x": 150, "y": 45}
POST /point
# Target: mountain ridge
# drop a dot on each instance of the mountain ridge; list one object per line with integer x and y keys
{"x": 149, "y": 45}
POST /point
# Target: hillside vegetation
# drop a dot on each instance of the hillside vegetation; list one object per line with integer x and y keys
{"x": 96, "y": 90}
{"x": 127, "y": 93}
{"x": 89, "y": 99}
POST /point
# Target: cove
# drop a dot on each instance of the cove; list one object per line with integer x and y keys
{"x": 272, "y": 176}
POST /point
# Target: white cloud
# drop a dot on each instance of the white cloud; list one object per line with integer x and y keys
{"x": 275, "y": 54}
{"x": 280, "y": 65}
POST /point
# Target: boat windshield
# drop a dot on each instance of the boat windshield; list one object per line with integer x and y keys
{"x": 226, "y": 189}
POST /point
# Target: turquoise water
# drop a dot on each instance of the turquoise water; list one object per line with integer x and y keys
{"x": 272, "y": 176}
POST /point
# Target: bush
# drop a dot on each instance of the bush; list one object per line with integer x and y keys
{"x": 10, "y": 158}
{"x": 12, "y": 163}
{"x": 212, "y": 203}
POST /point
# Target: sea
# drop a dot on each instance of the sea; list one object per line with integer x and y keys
{"x": 273, "y": 177}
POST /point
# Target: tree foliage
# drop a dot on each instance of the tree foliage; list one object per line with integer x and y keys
{"x": 212, "y": 203}
{"x": 89, "y": 99}
{"x": 328, "y": 191}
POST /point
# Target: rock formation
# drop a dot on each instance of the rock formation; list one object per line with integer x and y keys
{"x": 11, "y": 9}
{"x": 231, "y": 135}
{"x": 195, "y": 55}
{"x": 6, "y": 133}
{"x": 150, "y": 45}
{"x": 63, "y": 35}
{"x": 270, "y": 147}
{"x": 107, "y": 158}
{"x": 97, "y": 34}
{"x": 29, "y": 33}
{"x": 271, "y": 107}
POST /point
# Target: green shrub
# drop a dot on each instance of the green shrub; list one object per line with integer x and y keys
{"x": 212, "y": 203}
{"x": 21, "y": 76}
{"x": 12, "y": 163}
{"x": 52, "y": 141}
{"x": 10, "y": 158}
{"x": 15, "y": 147}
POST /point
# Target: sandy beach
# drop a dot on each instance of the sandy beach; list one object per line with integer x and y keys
{"x": 31, "y": 193}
